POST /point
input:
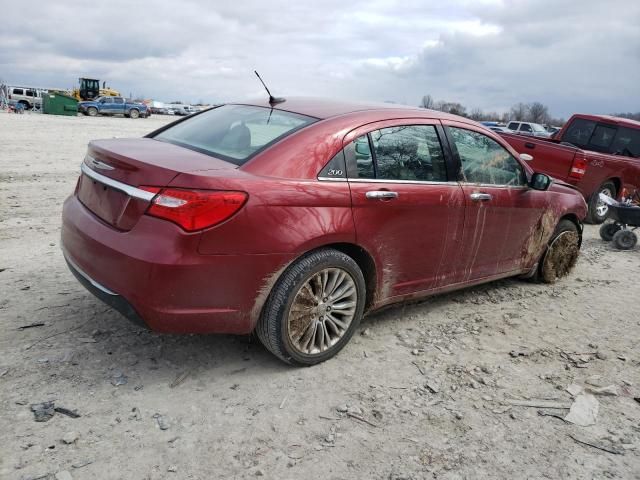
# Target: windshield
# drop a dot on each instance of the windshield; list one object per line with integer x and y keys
{"x": 234, "y": 132}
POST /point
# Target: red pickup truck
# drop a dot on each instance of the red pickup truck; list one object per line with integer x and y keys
{"x": 595, "y": 153}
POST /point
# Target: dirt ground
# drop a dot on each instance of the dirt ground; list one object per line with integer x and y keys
{"x": 439, "y": 389}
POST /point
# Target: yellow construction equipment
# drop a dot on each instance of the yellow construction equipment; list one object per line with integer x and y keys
{"x": 90, "y": 89}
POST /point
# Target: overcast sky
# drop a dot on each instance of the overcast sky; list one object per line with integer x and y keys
{"x": 580, "y": 55}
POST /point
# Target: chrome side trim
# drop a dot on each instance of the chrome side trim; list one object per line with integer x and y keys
{"x": 123, "y": 187}
{"x": 419, "y": 182}
{"x": 332, "y": 179}
{"x": 491, "y": 185}
{"x": 87, "y": 277}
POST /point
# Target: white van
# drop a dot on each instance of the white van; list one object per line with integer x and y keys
{"x": 30, "y": 97}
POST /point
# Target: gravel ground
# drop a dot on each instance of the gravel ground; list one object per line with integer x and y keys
{"x": 453, "y": 387}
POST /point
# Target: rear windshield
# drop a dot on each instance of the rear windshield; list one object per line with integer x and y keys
{"x": 234, "y": 132}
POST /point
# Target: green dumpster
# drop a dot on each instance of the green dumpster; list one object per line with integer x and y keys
{"x": 55, "y": 103}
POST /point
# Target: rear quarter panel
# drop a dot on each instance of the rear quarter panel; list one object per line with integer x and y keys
{"x": 623, "y": 171}
{"x": 280, "y": 216}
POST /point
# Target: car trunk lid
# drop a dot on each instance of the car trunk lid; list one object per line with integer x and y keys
{"x": 114, "y": 170}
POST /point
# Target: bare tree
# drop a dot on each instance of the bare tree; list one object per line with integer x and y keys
{"x": 632, "y": 116}
{"x": 427, "y": 102}
{"x": 538, "y": 113}
{"x": 519, "y": 112}
{"x": 477, "y": 115}
{"x": 454, "y": 108}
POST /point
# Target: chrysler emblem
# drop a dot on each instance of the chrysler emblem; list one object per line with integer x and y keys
{"x": 99, "y": 165}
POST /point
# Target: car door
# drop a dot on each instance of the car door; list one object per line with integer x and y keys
{"x": 118, "y": 105}
{"x": 106, "y": 105}
{"x": 408, "y": 213}
{"x": 502, "y": 213}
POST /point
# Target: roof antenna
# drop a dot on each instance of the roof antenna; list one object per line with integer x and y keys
{"x": 272, "y": 100}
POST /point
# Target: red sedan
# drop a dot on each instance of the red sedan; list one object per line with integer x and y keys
{"x": 293, "y": 220}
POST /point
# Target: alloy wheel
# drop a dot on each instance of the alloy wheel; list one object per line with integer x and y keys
{"x": 601, "y": 207}
{"x": 322, "y": 310}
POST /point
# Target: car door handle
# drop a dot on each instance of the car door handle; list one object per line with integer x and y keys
{"x": 530, "y": 145}
{"x": 381, "y": 195}
{"x": 481, "y": 197}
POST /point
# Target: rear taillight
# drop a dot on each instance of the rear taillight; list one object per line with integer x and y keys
{"x": 194, "y": 209}
{"x": 579, "y": 165}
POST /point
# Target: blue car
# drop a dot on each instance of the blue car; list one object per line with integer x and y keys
{"x": 113, "y": 106}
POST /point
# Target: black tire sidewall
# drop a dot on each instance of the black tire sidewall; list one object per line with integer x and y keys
{"x": 608, "y": 230}
{"x": 277, "y": 308}
{"x": 625, "y": 239}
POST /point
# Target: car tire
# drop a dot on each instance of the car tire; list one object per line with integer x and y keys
{"x": 92, "y": 111}
{"x": 133, "y": 113}
{"x": 561, "y": 254}
{"x": 597, "y": 209}
{"x": 325, "y": 324}
{"x": 608, "y": 230}
{"x": 625, "y": 239}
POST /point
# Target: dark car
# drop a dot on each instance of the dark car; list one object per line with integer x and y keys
{"x": 293, "y": 220}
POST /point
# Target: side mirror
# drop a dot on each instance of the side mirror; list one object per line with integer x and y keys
{"x": 540, "y": 181}
{"x": 525, "y": 157}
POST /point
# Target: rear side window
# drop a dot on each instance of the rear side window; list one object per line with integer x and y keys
{"x": 513, "y": 125}
{"x": 18, "y": 91}
{"x": 602, "y": 137}
{"x": 408, "y": 152}
{"x": 234, "y": 132}
{"x": 626, "y": 142}
{"x": 579, "y": 132}
{"x": 486, "y": 161}
{"x": 411, "y": 152}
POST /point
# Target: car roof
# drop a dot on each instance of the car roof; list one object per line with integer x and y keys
{"x": 324, "y": 108}
{"x": 610, "y": 118}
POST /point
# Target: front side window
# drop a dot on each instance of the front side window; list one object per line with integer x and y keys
{"x": 107, "y": 100}
{"x": 525, "y": 127}
{"x": 485, "y": 161}
{"x": 119, "y": 100}
{"x": 538, "y": 128}
{"x": 234, "y": 132}
{"x": 29, "y": 93}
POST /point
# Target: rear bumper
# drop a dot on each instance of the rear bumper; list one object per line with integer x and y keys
{"x": 117, "y": 302}
{"x": 154, "y": 275}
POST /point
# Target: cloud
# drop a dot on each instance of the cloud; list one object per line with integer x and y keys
{"x": 573, "y": 56}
